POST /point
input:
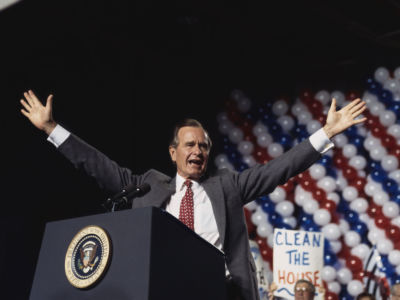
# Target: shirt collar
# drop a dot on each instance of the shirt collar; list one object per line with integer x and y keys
{"x": 180, "y": 180}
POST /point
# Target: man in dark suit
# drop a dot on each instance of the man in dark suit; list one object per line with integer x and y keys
{"x": 211, "y": 205}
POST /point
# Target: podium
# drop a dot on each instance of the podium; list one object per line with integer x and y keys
{"x": 153, "y": 256}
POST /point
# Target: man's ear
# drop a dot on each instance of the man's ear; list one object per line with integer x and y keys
{"x": 172, "y": 153}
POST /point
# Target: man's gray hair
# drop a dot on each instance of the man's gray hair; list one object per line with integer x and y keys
{"x": 188, "y": 123}
{"x": 309, "y": 283}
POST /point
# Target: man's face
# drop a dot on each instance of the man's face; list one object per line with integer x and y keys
{"x": 302, "y": 291}
{"x": 191, "y": 154}
{"x": 396, "y": 292}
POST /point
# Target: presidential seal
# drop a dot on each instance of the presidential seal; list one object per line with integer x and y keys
{"x": 87, "y": 256}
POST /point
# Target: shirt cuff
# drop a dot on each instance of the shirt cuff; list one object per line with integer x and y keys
{"x": 320, "y": 141}
{"x": 58, "y": 135}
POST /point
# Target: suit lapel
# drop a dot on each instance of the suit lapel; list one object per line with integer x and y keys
{"x": 162, "y": 192}
{"x": 213, "y": 188}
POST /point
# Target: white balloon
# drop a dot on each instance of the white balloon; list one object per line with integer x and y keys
{"x": 341, "y": 182}
{"x": 350, "y": 193}
{"x": 221, "y": 159}
{"x": 361, "y": 251}
{"x": 389, "y": 163}
{"x": 336, "y": 246}
{"x": 343, "y": 226}
{"x": 359, "y": 162}
{"x": 384, "y": 246}
{"x": 235, "y": 135}
{"x": 280, "y": 108}
{"x": 222, "y": 117}
{"x": 275, "y": 150}
{"x": 321, "y": 217}
{"x": 301, "y": 197}
{"x": 364, "y": 217}
{"x": 374, "y": 235}
{"x": 394, "y": 257}
{"x": 396, "y": 73}
{"x": 371, "y": 188}
{"x": 327, "y": 183}
{"x": 355, "y": 287}
{"x": 291, "y": 221}
{"x": 298, "y": 108}
{"x": 349, "y": 150}
{"x": 398, "y": 270}
{"x": 395, "y": 175}
{"x": 396, "y": 221}
{"x": 249, "y": 160}
{"x": 369, "y": 98}
{"x": 371, "y": 142}
{"x": 339, "y": 96}
{"x": 359, "y": 205}
{"x": 286, "y": 122}
{"x": 251, "y": 206}
{"x": 226, "y": 165}
{"x": 264, "y": 229}
{"x": 391, "y": 85}
{"x": 381, "y": 74}
{"x": 378, "y": 153}
{"x": 340, "y": 140}
{"x": 352, "y": 238}
{"x": 390, "y": 209}
{"x": 376, "y": 108}
{"x": 323, "y": 96}
{"x": 245, "y": 147}
{"x": 278, "y": 195}
{"x": 380, "y": 197}
{"x": 310, "y": 206}
{"x": 259, "y": 128}
{"x": 244, "y": 104}
{"x": 394, "y": 130}
{"x": 270, "y": 241}
{"x": 285, "y": 208}
{"x": 334, "y": 287}
{"x": 317, "y": 171}
{"x": 313, "y": 126}
{"x": 264, "y": 139}
{"x": 225, "y": 127}
{"x": 304, "y": 117}
{"x": 387, "y": 118}
{"x": 258, "y": 217}
{"x": 344, "y": 275}
{"x": 328, "y": 273}
{"x": 334, "y": 197}
{"x": 331, "y": 231}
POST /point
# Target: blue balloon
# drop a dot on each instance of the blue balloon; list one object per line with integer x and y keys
{"x": 326, "y": 160}
{"x": 386, "y": 97}
{"x": 360, "y": 228}
{"x": 268, "y": 207}
{"x": 329, "y": 258}
{"x": 390, "y": 186}
{"x": 351, "y": 217}
{"x": 378, "y": 176}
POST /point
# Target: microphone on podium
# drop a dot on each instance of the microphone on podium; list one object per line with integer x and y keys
{"x": 128, "y": 193}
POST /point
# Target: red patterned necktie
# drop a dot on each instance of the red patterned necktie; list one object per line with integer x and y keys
{"x": 186, "y": 214}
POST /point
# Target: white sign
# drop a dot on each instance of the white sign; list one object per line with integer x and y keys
{"x": 297, "y": 255}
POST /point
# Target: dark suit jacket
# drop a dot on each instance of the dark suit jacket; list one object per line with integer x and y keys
{"x": 228, "y": 192}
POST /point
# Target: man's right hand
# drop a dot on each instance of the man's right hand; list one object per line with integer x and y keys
{"x": 39, "y": 115}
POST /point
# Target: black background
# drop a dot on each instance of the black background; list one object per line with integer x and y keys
{"x": 124, "y": 72}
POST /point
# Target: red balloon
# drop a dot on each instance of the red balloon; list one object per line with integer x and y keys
{"x": 393, "y": 233}
{"x": 339, "y": 160}
{"x": 315, "y": 107}
{"x": 373, "y": 210}
{"x": 288, "y": 186}
{"x": 359, "y": 183}
{"x": 329, "y": 205}
{"x": 359, "y": 275}
{"x": 381, "y": 222}
{"x": 354, "y": 264}
{"x": 321, "y": 119}
{"x": 388, "y": 141}
{"x": 331, "y": 296}
{"x": 352, "y": 95}
{"x": 349, "y": 173}
{"x": 308, "y": 185}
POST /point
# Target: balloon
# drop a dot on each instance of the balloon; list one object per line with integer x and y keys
{"x": 389, "y": 163}
{"x": 394, "y": 257}
{"x": 334, "y": 197}
{"x": 313, "y": 126}
{"x": 279, "y": 108}
{"x": 380, "y": 197}
{"x": 291, "y": 221}
{"x": 304, "y": 117}
{"x": 286, "y": 122}
{"x": 358, "y": 162}
{"x": 275, "y": 150}
{"x": 340, "y": 140}
{"x": 235, "y": 135}
{"x": 376, "y": 108}
{"x": 344, "y": 275}
{"x": 244, "y": 104}
{"x": 359, "y": 205}
{"x": 264, "y": 139}
{"x": 396, "y": 221}
{"x": 298, "y": 108}
{"x": 249, "y": 160}
{"x": 375, "y": 234}
{"x": 391, "y": 85}
{"x": 355, "y": 287}
{"x": 317, "y": 171}
{"x": 350, "y": 193}
{"x": 221, "y": 159}
{"x": 381, "y": 74}
{"x": 310, "y": 206}
{"x": 259, "y": 128}
{"x": 321, "y": 217}
{"x": 257, "y": 217}
{"x": 245, "y": 147}
{"x": 251, "y": 206}
{"x": 390, "y": 209}
{"x": 371, "y": 188}
{"x": 361, "y": 251}
{"x": 285, "y": 208}
{"x": 339, "y": 97}
{"x": 278, "y": 195}
{"x": 225, "y": 127}
{"x": 264, "y": 229}
{"x": 384, "y": 246}
{"x": 336, "y": 246}
{"x": 323, "y": 96}
{"x": 328, "y": 273}
{"x": 349, "y": 150}
{"x": 387, "y": 118}
{"x": 394, "y": 130}
{"x": 327, "y": 183}
{"x": 343, "y": 226}
{"x": 270, "y": 241}
{"x": 334, "y": 287}
{"x": 331, "y": 231}
{"x": 378, "y": 153}
{"x": 395, "y": 175}
{"x": 352, "y": 239}
{"x": 371, "y": 142}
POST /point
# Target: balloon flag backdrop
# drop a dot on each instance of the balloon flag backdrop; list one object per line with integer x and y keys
{"x": 351, "y": 195}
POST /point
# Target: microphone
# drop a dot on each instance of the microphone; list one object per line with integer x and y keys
{"x": 127, "y": 193}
